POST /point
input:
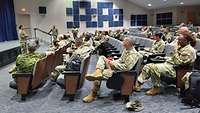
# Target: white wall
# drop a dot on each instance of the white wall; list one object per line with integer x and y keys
{"x": 56, "y": 13}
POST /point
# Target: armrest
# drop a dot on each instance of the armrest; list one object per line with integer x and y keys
{"x": 153, "y": 60}
{"x": 111, "y": 48}
{"x": 157, "y": 54}
{"x": 183, "y": 66}
{"x": 115, "y": 51}
{"x": 142, "y": 46}
{"x": 132, "y": 72}
{"x": 137, "y": 45}
{"x": 116, "y": 54}
{"x": 75, "y": 73}
{"x": 23, "y": 74}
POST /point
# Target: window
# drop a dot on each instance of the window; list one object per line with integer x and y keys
{"x": 164, "y": 18}
{"x": 138, "y": 20}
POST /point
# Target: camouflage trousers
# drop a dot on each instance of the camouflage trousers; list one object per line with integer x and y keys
{"x": 58, "y": 70}
{"x": 103, "y": 65}
{"x": 185, "y": 79}
{"x": 23, "y": 47}
{"x": 155, "y": 71}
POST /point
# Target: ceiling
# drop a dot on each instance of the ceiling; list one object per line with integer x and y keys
{"x": 164, "y": 3}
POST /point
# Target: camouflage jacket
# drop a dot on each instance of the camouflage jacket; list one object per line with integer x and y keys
{"x": 184, "y": 55}
{"x": 25, "y": 62}
{"x": 158, "y": 47}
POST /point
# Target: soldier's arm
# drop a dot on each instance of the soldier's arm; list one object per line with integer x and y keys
{"x": 161, "y": 48}
{"x": 183, "y": 58}
{"x": 131, "y": 61}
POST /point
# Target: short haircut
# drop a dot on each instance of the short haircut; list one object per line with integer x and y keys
{"x": 131, "y": 41}
{"x": 20, "y": 27}
{"x": 159, "y": 34}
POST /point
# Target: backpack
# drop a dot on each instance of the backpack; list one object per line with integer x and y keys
{"x": 74, "y": 64}
{"x": 191, "y": 96}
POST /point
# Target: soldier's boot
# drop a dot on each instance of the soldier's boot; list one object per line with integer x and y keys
{"x": 12, "y": 70}
{"x": 13, "y": 84}
{"x": 153, "y": 91}
{"x": 137, "y": 86}
{"x": 54, "y": 75}
{"x": 93, "y": 94}
{"x": 97, "y": 75}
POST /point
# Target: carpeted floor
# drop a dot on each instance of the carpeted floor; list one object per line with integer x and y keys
{"x": 49, "y": 99}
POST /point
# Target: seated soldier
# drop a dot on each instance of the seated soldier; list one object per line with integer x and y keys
{"x": 81, "y": 51}
{"x": 157, "y": 47}
{"x": 75, "y": 32}
{"x": 198, "y": 33}
{"x": 25, "y": 62}
{"x": 185, "y": 54}
{"x": 55, "y": 46}
{"x": 105, "y": 67}
{"x": 68, "y": 39}
{"x": 61, "y": 40}
{"x": 117, "y": 34}
{"x": 167, "y": 35}
{"x": 147, "y": 31}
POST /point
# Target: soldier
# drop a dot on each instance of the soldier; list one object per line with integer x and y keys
{"x": 25, "y": 62}
{"x": 198, "y": 33}
{"x": 117, "y": 34}
{"x": 105, "y": 67}
{"x": 75, "y": 32}
{"x": 22, "y": 39}
{"x": 157, "y": 47}
{"x": 185, "y": 54}
{"x": 147, "y": 31}
{"x": 54, "y": 33}
{"x": 54, "y": 47}
{"x": 167, "y": 35}
{"x": 81, "y": 51}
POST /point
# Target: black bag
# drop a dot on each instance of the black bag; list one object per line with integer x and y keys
{"x": 74, "y": 64}
{"x": 192, "y": 95}
{"x": 115, "y": 82}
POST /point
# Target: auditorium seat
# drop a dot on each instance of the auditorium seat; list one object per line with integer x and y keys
{"x": 129, "y": 79}
{"x": 27, "y": 82}
{"x": 74, "y": 80}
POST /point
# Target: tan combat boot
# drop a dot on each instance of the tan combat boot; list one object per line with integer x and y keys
{"x": 92, "y": 96}
{"x": 153, "y": 91}
{"x": 97, "y": 75}
{"x": 137, "y": 87}
{"x": 54, "y": 76}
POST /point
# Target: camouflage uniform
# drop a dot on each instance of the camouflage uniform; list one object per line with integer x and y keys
{"x": 22, "y": 41}
{"x": 157, "y": 47}
{"x": 83, "y": 51}
{"x": 25, "y": 63}
{"x": 184, "y": 55}
{"x": 54, "y": 33}
{"x": 168, "y": 37}
{"x": 126, "y": 62}
{"x": 198, "y": 35}
{"x": 75, "y": 33}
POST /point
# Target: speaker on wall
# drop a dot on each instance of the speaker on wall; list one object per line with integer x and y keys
{"x": 42, "y": 10}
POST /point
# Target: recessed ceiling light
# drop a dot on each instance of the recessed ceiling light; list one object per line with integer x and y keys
{"x": 181, "y": 3}
{"x": 164, "y": 0}
{"x": 23, "y": 9}
{"x": 149, "y": 5}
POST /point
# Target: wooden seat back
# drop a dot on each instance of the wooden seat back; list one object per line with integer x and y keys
{"x": 39, "y": 73}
